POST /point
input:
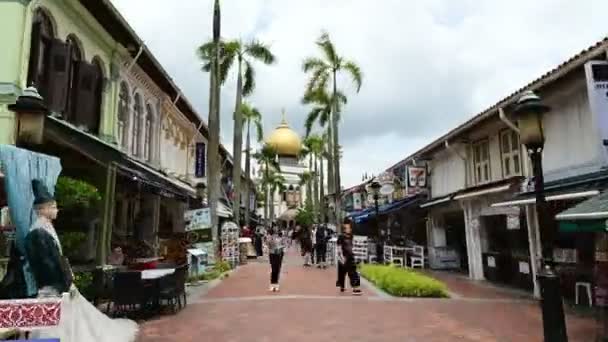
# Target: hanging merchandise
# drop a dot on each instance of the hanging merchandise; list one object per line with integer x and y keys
{"x": 230, "y": 243}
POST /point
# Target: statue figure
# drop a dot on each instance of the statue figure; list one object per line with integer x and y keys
{"x": 53, "y": 275}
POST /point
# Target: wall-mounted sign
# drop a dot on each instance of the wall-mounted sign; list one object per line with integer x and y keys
{"x": 416, "y": 177}
{"x": 357, "y": 205}
{"x": 597, "y": 91}
{"x": 199, "y": 168}
{"x": 197, "y": 219}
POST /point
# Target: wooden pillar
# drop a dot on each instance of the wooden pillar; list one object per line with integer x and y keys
{"x": 105, "y": 234}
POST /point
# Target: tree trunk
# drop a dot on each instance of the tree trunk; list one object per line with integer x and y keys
{"x": 237, "y": 150}
{"x": 322, "y": 190}
{"x": 309, "y": 198}
{"x": 336, "y": 155}
{"x": 330, "y": 163}
{"x": 267, "y": 196}
{"x": 316, "y": 189}
{"x": 213, "y": 157}
{"x": 272, "y": 192}
{"x": 248, "y": 175}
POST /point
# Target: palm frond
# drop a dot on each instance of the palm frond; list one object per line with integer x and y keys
{"x": 326, "y": 45}
{"x": 314, "y": 63}
{"x": 258, "y": 129}
{"x": 355, "y": 73}
{"x": 205, "y": 54}
{"x": 311, "y": 118}
{"x": 249, "y": 84}
{"x": 260, "y": 51}
{"x": 225, "y": 66}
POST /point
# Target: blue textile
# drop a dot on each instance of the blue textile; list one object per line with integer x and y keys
{"x": 20, "y": 167}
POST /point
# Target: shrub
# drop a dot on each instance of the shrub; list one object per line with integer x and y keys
{"x": 84, "y": 282}
{"x": 222, "y": 266}
{"x": 404, "y": 282}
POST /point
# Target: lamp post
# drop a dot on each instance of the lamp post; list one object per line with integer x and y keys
{"x": 375, "y": 186}
{"x": 529, "y": 111}
{"x": 30, "y": 112}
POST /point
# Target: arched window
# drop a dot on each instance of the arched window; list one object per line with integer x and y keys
{"x": 148, "y": 133}
{"x": 138, "y": 112}
{"x": 40, "y": 45}
{"x": 98, "y": 90}
{"x": 124, "y": 103}
{"x": 75, "y": 57}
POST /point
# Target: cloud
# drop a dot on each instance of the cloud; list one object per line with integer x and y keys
{"x": 427, "y": 66}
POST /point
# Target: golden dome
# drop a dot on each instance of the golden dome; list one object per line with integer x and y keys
{"x": 285, "y": 141}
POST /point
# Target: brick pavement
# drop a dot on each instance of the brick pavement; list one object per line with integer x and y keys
{"x": 309, "y": 308}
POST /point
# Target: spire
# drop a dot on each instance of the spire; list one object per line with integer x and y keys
{"x": 283, "y": 119}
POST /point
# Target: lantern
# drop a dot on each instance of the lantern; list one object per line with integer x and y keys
{"x": 30, "y": 112}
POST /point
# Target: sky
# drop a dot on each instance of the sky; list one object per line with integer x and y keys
{"x": 428, "y": 65}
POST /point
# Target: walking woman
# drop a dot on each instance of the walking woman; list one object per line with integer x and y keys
{"x": 275, "y": 244}
{"x": 346, "y": 260}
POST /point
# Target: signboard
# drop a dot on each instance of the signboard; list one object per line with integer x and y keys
{"x": 197, "y": 219}
{"x": 357, "y": 205}
{"x": 597, "y": 90}
{"x": 512, "y": 222}
{"x": 199, "y": 168}
{"x": 416, "y": 177}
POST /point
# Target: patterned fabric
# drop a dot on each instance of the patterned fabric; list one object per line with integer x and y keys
{"x": 20, "y": 167}
{"x": 30, "y": 313}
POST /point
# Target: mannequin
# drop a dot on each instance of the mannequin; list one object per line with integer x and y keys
{"x": 53, "y": 277}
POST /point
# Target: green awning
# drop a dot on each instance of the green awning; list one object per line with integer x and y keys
{"x": 587, "y": 216}
{"x": 590, "y": 226}
{"x": 595, "y": 208}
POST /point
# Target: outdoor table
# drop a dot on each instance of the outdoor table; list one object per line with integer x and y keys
{"x": 156, "y": 273}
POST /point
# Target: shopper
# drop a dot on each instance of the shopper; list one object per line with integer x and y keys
{"x": 346, "y": 260}
{"x": 275, "y": 244}
{"x": 322, "y": 236}
{"x": 306, "y": 245}
{"x": 313, "y": 237}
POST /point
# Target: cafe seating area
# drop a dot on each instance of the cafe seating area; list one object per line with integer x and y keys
{"x": 365, "y": 251}
{"x": 143, "y": 289}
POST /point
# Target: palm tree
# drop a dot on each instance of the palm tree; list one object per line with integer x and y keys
{"x": 322, "y": 72}
{"x": 251, "y": 116}
{"x": 275, "y": 182}
{"x": 305, "y": 180}
{"x": 267, "y": 159}
{"x": 307, "y": 153}
{"x": 317, "y": 145}
{"x": 212, "y": 61}
{"x": 243, "y": 54}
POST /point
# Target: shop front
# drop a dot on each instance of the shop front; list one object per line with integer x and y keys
{"x": 446, "y": 235}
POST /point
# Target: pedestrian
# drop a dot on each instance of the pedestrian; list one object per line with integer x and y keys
{"x": 306, "y": 245}
{"x": 313, "y": 237}
{"x": 259, "y": 235}
{"x": 275, "y": 244}
{"x": 322, "y": 236}
{"x": 346, "y": 260}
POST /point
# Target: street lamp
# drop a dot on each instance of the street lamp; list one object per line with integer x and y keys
{"x": 529, "y": 111}
{"x": 375, "y": 187}
{"x": 30, "y": 112}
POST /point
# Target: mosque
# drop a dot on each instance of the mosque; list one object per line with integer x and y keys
{"x": 288, "y": 145}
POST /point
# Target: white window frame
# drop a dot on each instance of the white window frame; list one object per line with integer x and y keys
{"x": 481, "y": 166}
{"x": 510, "y": 157}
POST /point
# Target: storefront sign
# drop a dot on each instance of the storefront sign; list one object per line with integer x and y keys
{"x": 416, "y": 177}
{"x": 597, "y": 91}
{"x": 200, "y": 160}
{"x": 197, "y": 219}
{"x": 512, "y": 222}
{"x": 524, "y": 267}
{"x": 491, "y": 262}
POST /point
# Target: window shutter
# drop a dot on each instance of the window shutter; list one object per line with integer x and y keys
{"x": 87, "y": 82}
{"x": 58, "y": 75}
{"x": 32, "y": 69}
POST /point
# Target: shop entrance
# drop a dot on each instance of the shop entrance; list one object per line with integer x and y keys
{"x": 456, "y": 237}
{"x": 506, "y": 256}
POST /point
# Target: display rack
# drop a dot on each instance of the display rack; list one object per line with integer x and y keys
{"x": 230, "y": 243}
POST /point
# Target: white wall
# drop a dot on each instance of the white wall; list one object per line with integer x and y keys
{"x": 572, "y": 144}
{"x": 447, "y": 172}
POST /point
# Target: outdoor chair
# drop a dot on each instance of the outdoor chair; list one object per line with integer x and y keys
{"x": 173, "y": 288}
{"x": 102, "y": 287}
{"x": 128, "y": 293}
{"x": 417, "y": 258}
